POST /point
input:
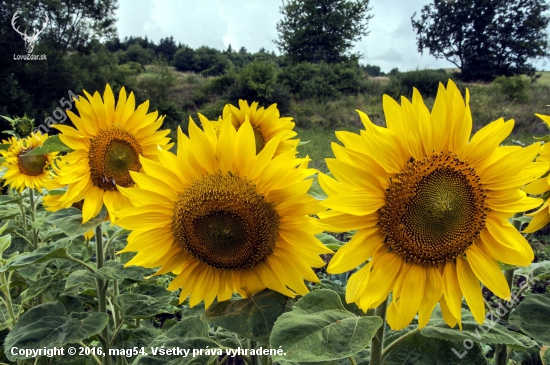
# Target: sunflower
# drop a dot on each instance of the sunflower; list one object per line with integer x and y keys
{"x": 266, "y": 124}
{"x": 222, "y": 218}
{"x": 27, "y": 171}
{"x": 430, "y": 206}
{"x": 107, "y": 142}
{"x": 541, "y": 217}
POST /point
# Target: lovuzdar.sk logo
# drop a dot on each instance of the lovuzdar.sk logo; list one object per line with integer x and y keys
{"x": 30, "y": 40}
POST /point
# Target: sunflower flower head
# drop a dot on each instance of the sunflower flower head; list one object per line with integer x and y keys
{"x": 430, "y": 206}
{"x": 541, "y": 217}
{"x": 23, "y": 170}
{"x": 266, "y": 124}
{"x": 22, "y": 126}
{"x": 223, "y": 218}
{"x": 108, "y": 141}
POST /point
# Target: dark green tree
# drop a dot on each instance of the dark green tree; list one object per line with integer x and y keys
{"x": 322, "y": 30}
{"x": 167, "y": 48}
{"x": 485, "y": 38}
{"x": 69, "y": 40}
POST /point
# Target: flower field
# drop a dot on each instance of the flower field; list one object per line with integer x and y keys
{"x": 421, "y": 243}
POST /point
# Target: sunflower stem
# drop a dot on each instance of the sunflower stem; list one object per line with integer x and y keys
{"x": 352, "y": 360}
{"x": 394, "y": 344}
{"x": 102, "y": 293}
{"x": 378, "y": 339}
{"x": 501, "y": 351}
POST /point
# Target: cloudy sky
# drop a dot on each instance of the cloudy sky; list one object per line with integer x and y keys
{"x": 251, "y": 24}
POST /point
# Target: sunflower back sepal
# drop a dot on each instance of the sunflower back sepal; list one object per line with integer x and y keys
{"x": 319, "y": 328}
{"x": 252, "y": 318}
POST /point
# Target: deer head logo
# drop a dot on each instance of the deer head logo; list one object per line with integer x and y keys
{"x": 29, "y": 40}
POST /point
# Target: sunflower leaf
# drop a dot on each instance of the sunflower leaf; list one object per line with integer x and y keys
{"x": 319, "y": 328}
{"x": 4, "y": 146}
{"x": 491, "y": 332}
{"x": 419, "y": 349}
{"x": 115, "y": 270}
{"x": 252, "y": 317}
{"x": 51, "y": 144}
{"x": 36, "y": 257}
{"x": 545, "y": 355}
{"x": 48, "y": 325}
{"x": 142, "y": 306}
{"x": 532, "y": 316}
{"x": 330, "y": 241}
{"x": 537, "y": 270}
{"x": 315, "y": 190}
{"x": 70, "y": 221}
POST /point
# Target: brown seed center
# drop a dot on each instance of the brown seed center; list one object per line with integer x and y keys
{"x": 435, "y": 209}
{"x": 113, "y": 154}
{"x": 32, "y": 165}
{"x": 223, "y": 222}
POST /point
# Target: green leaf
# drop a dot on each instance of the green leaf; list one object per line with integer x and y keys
{"x": 47, "y": 325}
{"x": 189, "y": 327}
{"x": 36, "y": 257}
{"x": 489, "y": 333}
{"x": 5, "y": 242}
{"x": 51, "y": 144}
{"x": 36, "y": 288}
{"x": 418, "y": 349}
{"x": 70, "y": 221}
{"x": 315, "y": 190}
{"x": 8, "y": 119}
{"x": 191, "y": 344}
{"x": 4, "y": 146}
{"x": 55, "y": 192}
{"x": 532, "y": 316}
{"x": 80, "y": 279}
{"x": 330, "y": 241}
{"x": 7, "y": 199}
{"x": 142, "y": 306}
{"x": 319, "y": 328}
{"x": 252, "y": 317}
{"x": 301, "y": 143}
{"x": 115, "y": 270}
{"x": 537, "y": 270}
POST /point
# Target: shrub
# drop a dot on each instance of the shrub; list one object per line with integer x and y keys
{"x": 513, "y": 88}
{"x": 323, "y": 81}
{"x": 426, "y": 81}
{"x": 183, "y": 59}
{"x": 136, "y": 53}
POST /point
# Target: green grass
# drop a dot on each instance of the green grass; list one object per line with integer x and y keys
{"x": 319, "y": 146}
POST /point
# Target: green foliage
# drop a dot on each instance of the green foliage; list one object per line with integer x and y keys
{"x": 513, "y": 88}
{"x": 315, "y": 31}
{"x": 528, "y": 315}
{"x": 319, "y": 328}
{"x": 323, "y": 81}
{"x": 426, "y": 81}
{"x": 52, "y": 144}
{"x": 252, "y": 318}
{"x": 257, "y": 79}
{"x": 48, "y": 325}
{"x": 485, "y": 39}
{"x": 372, "y": 70}
{"x": 183, "y": 59}
{"x": 418, "y": 349}
{"x": 136, "y": 53}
